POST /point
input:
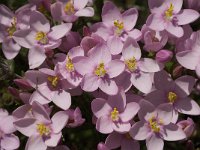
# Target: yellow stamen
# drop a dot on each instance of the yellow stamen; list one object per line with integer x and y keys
{"x": 13, "y": 27}
{"x": 100, "y": 70}
{"x": 131, "y": 64}
{"x": 53, "y": 80}
{"x": 69, "y": 64}
{"x": 43, "y": 130}
{"x": 41, "y": 37}
{"x": 119, "y": 25}
{"x": 69, "y": 8}
{"x": 154, "y": 124}
{"x": 172, "y": 97}
{"x": 169, "y": 11}
{"x": 115, "y": 115}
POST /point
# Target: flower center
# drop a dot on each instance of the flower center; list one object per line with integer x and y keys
{"x": 41, "y": 37}
{"x": 100, "y": 70}
{"x": 114, "y": 115}
{"x": 13, "y": 27}
{"x": 43, "y": 130}
{"x": 119, "y": 25}
{"x": 172, "y": 97}
{"x": 131, "y": 64}
{"x": 169, "y": 11}
{"x": 155, "y": 127}
{"x": 69, "y": 8}
{"x": 69, "y": 65}
{"x": 53, "y": 80}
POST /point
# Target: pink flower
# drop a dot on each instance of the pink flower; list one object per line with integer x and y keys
{"x": 153, "y": 40}
{"x": 191, "y": 54}
{"x": 40, "y": 37}
{"x": 75, "y": 118}
{"x": 139, "y": 68}
{"x": 114, "y": 114}
{"x": 174, "y": 93}
{"x": 188, "y": 126}
{"x": 116, "y": 27}
{"x": 70, "y": 10}
{"x": 164, "y": 56}
{"x": 66, "y": 68}
{"x": 8, "y": 141}
{"x": 49, "y": 87}
{"x": 41, "y": 130}
{"x": 102, "y": 146}
{"x": 155, "y": 126}
{"x": 125, "y": 141}
{"x": 167, "y": 15}
{"x": 98, "y": 70}
{"x": 10, "y": 23}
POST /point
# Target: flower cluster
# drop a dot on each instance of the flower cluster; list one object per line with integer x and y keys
{"x": 122, "y": 68}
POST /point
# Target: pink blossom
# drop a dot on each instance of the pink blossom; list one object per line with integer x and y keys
{"x": 8, "y": 141}
{"x": 41, "y": 130}
{"x": 114, "y": 114}
{"x": 70, "y": 10}
{"x": 155, "y": 126}
{"x": 168, "y": 15}
{"x": 40, "y": 37}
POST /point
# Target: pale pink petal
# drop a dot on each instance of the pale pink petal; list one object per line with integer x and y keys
{"x": 59, "y": 31}
{"x": 113, "y": 140}
{"x": 38, "y": 22}
{"x": 149, "y": 65}
{"x": 115, "y": 45}
{"x": 100, "y": 107}
{"x": 130, "y": 18}
{"x": 85, "y": 12}
{"x": 146, "y": 108}
{"x": 188, "y": 56}
{"x": 138, "y": 81}
{"x": 131, "y": 49}
{"x": 155, "y": 22}
{"x": 187, "y": 16}
{"x": 121, "y": 127}
{"x": 10, "y": 48}
{"x": 130, "y": 111}
{"x": 90, "y": 83}
{"x": 6, "y": 15}
{"x": 56, "y": 11}
{"x": 188, "y": 106}
{"x": 76, "y": 51}
{"x": 6, "y": 125}
{"x": 53, "y": 140}
{"x": 139, "y": 131}
{"x": 175, "y": 30}
{"x": 104, "y": 125}
{"x": 186, "y": 83}
{"x": 80, "y": 4}
{"x": 154, "y": 143}
{"x": 59, "y": 120}
{"x": 35, "y": 142}
{"x": 110, "y": 13}
{"x": 62, "y": 99}
{"x": 108, "y": 86}
{"x": 173, "y": 133}
{"x": 26, "y": 126}
{"x": 36, "y": 57}
{"x": 10, "y": 142}
{"x": 114, "y": 68}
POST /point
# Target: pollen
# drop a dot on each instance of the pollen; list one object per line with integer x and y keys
{"x": 154, "y": 125}
{"x": 69, "y": 8}
{"x": 100, "y": 70}
{"x": 69, "y": 65}
{"x": 172, "y": 97}
{"x": 41, "y": 37}
{"x": 13, "y": 27}
{"x": 53, "y": 80}
{"x": 169, "y": 11}
{"x": 43, "y": 130}
{"x": 119, "y": 25}
{"x": 131, "y": 64}
{"x": 114, "y": 115}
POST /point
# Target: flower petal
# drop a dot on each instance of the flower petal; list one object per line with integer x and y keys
{"x": 10, "y": 142}
{"x": 154, "y": 143}
{"x": 104, "y": 125}
{"x": 187, "y": 16}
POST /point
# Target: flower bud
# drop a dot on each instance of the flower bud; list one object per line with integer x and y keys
{"x": 164, "y": 56}
{"x": 188, "y": 126}
{"x": 22, "y": 84}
